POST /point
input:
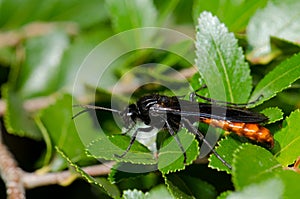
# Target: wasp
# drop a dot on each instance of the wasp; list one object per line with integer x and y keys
{"x": 172, "y": 113}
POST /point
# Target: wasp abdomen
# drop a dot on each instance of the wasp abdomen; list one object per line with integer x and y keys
{"x": 252, "y": 131}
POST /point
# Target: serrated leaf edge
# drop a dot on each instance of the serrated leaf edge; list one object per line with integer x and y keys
{"x": 188, "y": 163}
{"x": 274, "y": 108}
{"x": 255, "y": 94}
{"x": 211, "y": 155}
{"x": 237, "y": 49}
{"x": 83, "y": 174}
{"x": 286, "y": 128}
{"x": 124, "y": 160}
{"x": 7, "y": 118}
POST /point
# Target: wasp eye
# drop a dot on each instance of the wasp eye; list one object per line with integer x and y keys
{"x": 130, "y": 114}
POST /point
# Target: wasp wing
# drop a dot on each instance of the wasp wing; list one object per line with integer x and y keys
{"x": 213, "y": 111}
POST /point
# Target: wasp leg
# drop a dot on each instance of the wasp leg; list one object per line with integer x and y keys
{"x": 196, "y": 132}
{"x": 133, "y": 137}
{"x": 175, "y": 136}
{"x": 213, "y": 101}
{"x": 130, "y": 144}
{"x": 127, "y": 131}
{"x": 194, "y": 94}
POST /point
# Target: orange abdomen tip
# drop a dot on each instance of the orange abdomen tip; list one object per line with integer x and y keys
{"x": 252, "y": 131}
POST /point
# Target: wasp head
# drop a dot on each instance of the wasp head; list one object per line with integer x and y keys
{"x": 130, "y": 115}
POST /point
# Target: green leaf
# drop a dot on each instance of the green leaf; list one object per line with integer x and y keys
{"x": 289, "y": 140}
{"x": 85, "y": 125}
{"x": 7, "y": 55}
{"x": 171, "y": 158}
{"x": 286, "y": 47}
{"x": 195, "y": 81}
{"x": 57, "y": 120}
{"x": 174, "y": 187}
{"x": 133, "y": 194}
{"x": 167, "y": 9}
{"x": 159, "y": 191}
{"x": 221, "y": 62}
{"x": 110, "y": 189}
{"x": 71, "y": 135}
{"x": 290, "y": 179}
{"x": 183, "y": 186}
{"x": 268, "y": 189}
{"x": 240, "y": 11}
{"x": 278, "y": 79}
{"x": 180, "y": 49}
{"x": 82, "y": 13}
{"x": 283, "y": 184}
{"x": 273, "y": 113}
{"x": 48, "y": 143}
{"x": 130, "y": 14}
{"x": 39, "y": 75}
{"x": 224, "y": 195}
{"x": 225, "y": 149}
{"x": 17, "y": 120}
{"x": 123, "y": 171}
{"x": 252, "y": 164}
{"x": 108, "y": 147}
{"x": 284, "y": 24}
{"x": 74, "y": 56}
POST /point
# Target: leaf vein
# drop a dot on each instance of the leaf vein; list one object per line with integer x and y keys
{"x": 278, "y": 77}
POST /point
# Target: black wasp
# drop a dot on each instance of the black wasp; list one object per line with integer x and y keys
{"x": 172, "y": 113}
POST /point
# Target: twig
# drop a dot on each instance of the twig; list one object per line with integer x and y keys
{"x": 17, "y": 180}
{"x": 38, "y": 103}
{"x": 12, "y": 38}
{"x": 2, "y": 107}
{"x": 32, "y": 180}
{"x": 30, "y": 105}
{"x": 11, "y": 174}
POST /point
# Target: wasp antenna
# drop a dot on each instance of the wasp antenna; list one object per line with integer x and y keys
{"x": 79, "y": 113}
{"x": 91, "y": 107}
